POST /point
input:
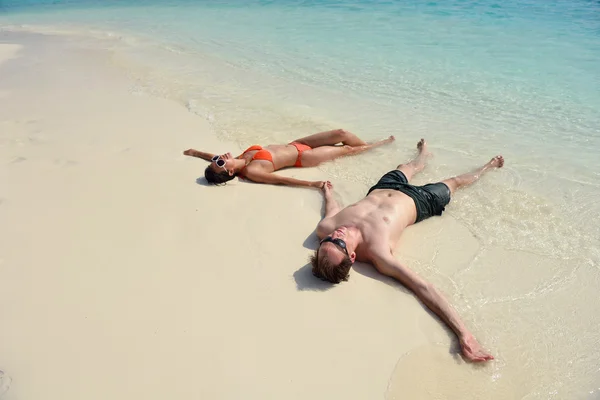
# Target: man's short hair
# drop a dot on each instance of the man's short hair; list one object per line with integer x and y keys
{"x": 325, "y": 270}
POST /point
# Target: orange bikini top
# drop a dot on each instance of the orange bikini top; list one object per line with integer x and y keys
{"x": 261, "y": 154}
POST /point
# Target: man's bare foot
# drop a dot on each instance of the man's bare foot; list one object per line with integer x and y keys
{"x": 496, "y": 162}
{"x": 422, "y": 147}
{"x": 390, "y": 139}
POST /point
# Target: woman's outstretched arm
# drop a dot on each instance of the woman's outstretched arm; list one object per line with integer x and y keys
{"x": 199, "y": 154}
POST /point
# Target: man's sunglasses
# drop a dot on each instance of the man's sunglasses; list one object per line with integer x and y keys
{"x": 338, "y": 242}
{"x": 219, "y": 161}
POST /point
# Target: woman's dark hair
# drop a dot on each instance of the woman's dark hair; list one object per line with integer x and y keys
{"x": 217, "y": 177}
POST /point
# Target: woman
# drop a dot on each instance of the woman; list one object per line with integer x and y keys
{"x": 258, "y": 163}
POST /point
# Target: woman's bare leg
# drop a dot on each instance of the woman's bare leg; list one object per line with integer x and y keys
{"x": 330, "y": 138}
{"x": 316, "y": 156}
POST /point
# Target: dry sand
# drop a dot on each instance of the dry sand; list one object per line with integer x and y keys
{"x": 122, "y": 277}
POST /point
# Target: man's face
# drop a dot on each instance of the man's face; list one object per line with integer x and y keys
{"x": 333, "y": 247}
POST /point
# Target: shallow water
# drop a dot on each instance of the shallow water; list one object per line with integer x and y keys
{"x": 520, "y": 78}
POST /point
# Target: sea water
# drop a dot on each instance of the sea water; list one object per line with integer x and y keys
{"x": 475, "y": 78}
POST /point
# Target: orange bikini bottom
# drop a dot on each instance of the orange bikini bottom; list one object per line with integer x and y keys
{"x": 300, "y": 147}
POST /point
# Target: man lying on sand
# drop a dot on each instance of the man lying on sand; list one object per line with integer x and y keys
{"x": 369, "y": 230}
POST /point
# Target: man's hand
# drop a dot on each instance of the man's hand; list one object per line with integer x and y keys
{"x": 331, "y": 208}
{"x": 331, "y": 205}
{"x": 472, "y": 350}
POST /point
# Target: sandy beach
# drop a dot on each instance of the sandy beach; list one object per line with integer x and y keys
{"x": 123, "y": 275}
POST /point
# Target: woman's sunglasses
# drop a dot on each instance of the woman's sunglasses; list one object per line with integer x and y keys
{"x": 219, "y": 161}
{"x": 338, "y": 242}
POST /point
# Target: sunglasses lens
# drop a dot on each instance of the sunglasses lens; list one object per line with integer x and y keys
{"x": 220, "y": 163}
{"x": 215, "y": 158}
{"x": 338, "y": 242}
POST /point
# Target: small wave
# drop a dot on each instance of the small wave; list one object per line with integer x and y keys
{"x": 193, "y": 106}
{"x": 77, "y": 31}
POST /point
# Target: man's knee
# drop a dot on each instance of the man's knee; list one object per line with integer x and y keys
{"x": 407, "y": 169}
{"x": 452, "y": 183}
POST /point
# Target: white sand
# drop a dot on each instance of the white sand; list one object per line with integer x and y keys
{"x": 123, "y": 278}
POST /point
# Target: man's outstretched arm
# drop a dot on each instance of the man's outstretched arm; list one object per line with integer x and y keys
{"x": 386, "y": 264}
{"x": 326, "y": 225}
{"x": 331, "y": 205}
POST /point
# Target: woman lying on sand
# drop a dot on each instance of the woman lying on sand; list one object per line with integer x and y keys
{"x": 258, "y": 163}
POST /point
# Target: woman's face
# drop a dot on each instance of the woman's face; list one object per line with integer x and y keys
{"x": 224, "y": 162}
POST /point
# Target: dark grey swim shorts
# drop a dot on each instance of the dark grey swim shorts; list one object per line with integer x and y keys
{"x": 430, "y": 199}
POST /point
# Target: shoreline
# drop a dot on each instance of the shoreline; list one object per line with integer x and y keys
{"x": 116, "y": 256}
{"x": 121, "y": 261}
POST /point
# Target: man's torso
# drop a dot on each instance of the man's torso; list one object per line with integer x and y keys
{"x": 381, "y": 216}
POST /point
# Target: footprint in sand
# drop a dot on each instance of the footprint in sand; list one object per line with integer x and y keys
{"x": 17, "y": 160}
{"x": 65, "y": 162}
{"x": 5, "y": 381}
{"x": 432, "y": 372}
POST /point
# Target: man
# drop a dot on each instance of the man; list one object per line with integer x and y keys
{"x": 368, "y": 231}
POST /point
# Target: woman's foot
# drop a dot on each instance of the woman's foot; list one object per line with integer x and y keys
{"x": 382, "y": 142}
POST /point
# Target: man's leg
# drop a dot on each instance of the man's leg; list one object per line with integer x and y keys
{"x": 415, "y": 166}
{"x": 463, "y": 180}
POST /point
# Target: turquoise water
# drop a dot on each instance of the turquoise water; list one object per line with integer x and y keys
{"x": 475, "y": 78}
{"x": 522, "y": 67}
{"x": 523, "y": 71}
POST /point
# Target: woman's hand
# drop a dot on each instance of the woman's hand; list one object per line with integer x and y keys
{"x": 199, "y": 154}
